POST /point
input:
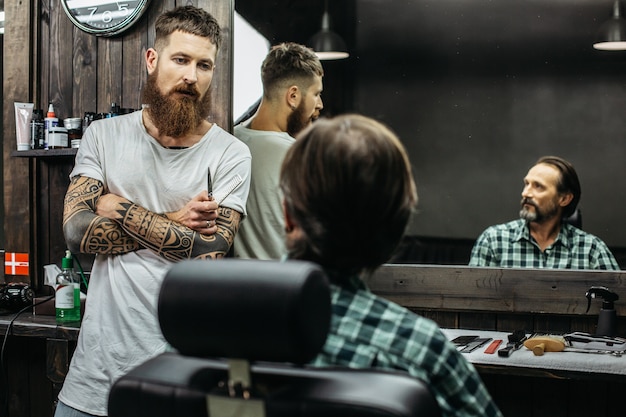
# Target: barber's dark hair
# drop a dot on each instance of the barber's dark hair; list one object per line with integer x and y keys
{"x": 289, "y": 63}
{"x": 347, "y": 183}
{"x": 188, "y": 19}
{"x": 568, "y": 181}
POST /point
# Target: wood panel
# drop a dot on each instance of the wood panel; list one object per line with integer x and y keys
{"x": 16, "y": 87}
{"x": 61, "y": 86}
{"x": 495, "y": 289}
{"x": 134, "y": 64}
{"x": 110, "y": 75}
{"x": 535, "y": 300}
{"x": 84, "y": 73}
{"x": 222, "y": 86}
{"x": 36, "y": 360}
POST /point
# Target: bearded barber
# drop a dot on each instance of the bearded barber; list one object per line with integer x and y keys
{"x": 138, "y": 200}
{"x": 542, "y": 238}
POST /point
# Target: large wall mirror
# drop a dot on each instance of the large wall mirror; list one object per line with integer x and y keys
{"x": 478, "y": 90}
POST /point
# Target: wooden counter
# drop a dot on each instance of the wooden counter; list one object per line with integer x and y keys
{"x": 38, "y": 351}
{"x": 36, "y": 359}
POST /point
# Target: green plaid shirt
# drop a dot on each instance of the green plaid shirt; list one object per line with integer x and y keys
{"x": 510, "y": 245}
{"x": 368, "y": 331}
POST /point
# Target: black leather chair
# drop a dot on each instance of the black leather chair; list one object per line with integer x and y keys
{"x": 576, "y": 218}
{"x": 243, "y": 331}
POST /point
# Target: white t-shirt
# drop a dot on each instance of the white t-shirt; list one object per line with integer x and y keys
{"x": 120, "y": 329}
{"x": 262, "y": 235}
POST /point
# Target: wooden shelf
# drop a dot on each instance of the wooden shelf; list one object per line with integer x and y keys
{"x": 42, "y": 153}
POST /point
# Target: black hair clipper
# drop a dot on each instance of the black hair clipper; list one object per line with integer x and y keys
{"x": 516, "y": 340}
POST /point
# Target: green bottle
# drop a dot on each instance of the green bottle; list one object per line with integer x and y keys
{"x": 67, "y": 297}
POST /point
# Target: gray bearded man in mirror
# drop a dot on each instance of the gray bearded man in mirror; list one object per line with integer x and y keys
{"x": 542, "y": 237}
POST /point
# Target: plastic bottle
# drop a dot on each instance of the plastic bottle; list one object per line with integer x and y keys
{"x": 37, "y": 134}
{"x": 57, "y": 138}
{"x": 607, "y": 319}
{"x": 67, "y": 298}
{"x": 50, "y": 121}
{"x": 115, "y": 110}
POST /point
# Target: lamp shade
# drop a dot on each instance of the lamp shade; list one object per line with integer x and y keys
{"x": 327, "y": 44}
{"x": 612, "y": 34}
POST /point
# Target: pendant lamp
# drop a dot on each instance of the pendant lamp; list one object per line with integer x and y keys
{"x": 612, "y": 34}
{"x": 326, "y": 43}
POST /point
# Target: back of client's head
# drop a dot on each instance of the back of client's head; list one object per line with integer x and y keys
{"x": 349, "y": 193}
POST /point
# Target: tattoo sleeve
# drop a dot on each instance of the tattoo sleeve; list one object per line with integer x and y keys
{"x": 87, "y": 232}
{"x": 138, "y": 228}
{"x": 174, "y": 241}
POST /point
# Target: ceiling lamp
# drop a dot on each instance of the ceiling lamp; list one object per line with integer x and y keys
{"x": 612, "y": 34}
{"x": 326, "y": 43}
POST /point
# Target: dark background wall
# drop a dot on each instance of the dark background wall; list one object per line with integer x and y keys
{"x": 478, "y": 90}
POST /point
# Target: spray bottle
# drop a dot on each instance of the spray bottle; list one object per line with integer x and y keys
{"x": 50, "y": 121}
{"x": 608, "y": 317}
{"x": 67, "y": 298}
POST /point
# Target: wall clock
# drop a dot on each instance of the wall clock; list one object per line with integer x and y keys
{"x": 104, "y": 17}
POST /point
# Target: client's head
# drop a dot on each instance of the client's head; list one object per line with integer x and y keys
{"x": 348, "y": 194}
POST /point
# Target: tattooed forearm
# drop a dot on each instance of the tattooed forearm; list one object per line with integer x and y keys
{"x": 82, "y": 194}
{"x": 174, "y": 241}
{"x": 134, "y": 227}
{"x": 85, "y": 231}
{"x": 107, "y": 237}
{"x": 228, "y": 224}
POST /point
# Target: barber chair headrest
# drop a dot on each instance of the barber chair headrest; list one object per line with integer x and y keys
{"x": 247, "y": 309}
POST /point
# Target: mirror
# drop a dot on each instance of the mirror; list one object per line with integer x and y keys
{"x": 250, "y": 49}
{"x": 479, "y": 90}
{"x": 2, "y": 17}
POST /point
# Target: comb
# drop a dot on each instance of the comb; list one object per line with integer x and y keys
{"x": 232, "y": 185}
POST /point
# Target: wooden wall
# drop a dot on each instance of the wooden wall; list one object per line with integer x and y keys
{"x": 49, "y": 60}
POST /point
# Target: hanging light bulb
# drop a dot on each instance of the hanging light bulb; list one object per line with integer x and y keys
{"x": 326, "y": 43}
{"x": 612, "y": 33}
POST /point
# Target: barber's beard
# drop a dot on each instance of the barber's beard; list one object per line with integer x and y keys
{"x": 297, "y": 120}
{"x": 538, "y": 215}
{"x": 175, "y": 116}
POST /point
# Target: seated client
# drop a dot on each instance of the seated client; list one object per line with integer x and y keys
{"x": 348, "y": 196}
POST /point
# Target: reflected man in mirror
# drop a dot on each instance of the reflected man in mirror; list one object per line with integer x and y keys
{"x": 291, "y": 75}
{"x": 542, "y": 237}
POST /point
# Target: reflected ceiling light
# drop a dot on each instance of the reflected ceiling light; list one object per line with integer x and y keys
{"x": 326, "y": 43}
{"x": 612, "y": 34}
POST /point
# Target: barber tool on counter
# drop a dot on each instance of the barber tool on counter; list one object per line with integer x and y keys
{"x": 575, "y": 342}
{"x": 604, "y": 341}
{"x": 516, "y": 341}
{"x": 540, "y": 343}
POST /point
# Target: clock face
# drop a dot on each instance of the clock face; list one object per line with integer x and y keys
{"x": 104, "y": 17}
